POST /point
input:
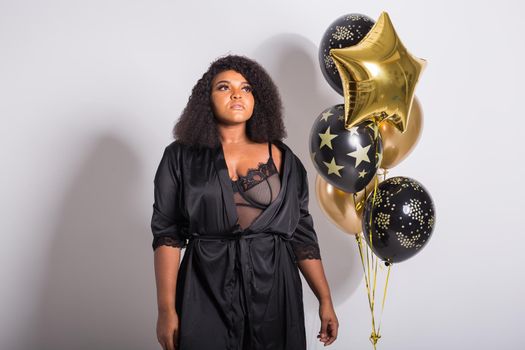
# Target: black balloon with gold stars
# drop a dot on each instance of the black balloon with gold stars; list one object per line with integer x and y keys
{"x": 400, "y": 219}
{"x": 346, "y": 158}
{"x": 345, "y": 31}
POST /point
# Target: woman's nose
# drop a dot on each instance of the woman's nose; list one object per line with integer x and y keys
{"x": 236, "y": 94}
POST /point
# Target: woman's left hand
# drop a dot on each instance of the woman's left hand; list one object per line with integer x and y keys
{"x": 329, "y": 323}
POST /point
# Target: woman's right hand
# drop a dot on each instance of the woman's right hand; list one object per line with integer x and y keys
{"x": 168, "y": 329}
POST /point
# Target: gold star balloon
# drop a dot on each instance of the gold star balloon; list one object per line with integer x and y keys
{"x": 379, "y": 77}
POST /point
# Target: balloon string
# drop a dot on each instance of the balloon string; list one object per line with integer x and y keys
{"x": 384, "y": 297}
{"x": 360, "y": 246}
{"x": 373, "y": 204}
{"x": 374, "y": 337}
{"x": 369, "y": 260}
{"x": 375, "y": 282}
{"x": 367, "y": 283}
{"x": 387, "y": 277}
{"x": 372, "y": 263}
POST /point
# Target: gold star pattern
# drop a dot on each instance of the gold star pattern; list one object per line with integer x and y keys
{"x": 353, "y": 131}
{"x": 326, "y": 115}
{"x": 326, "y": 138}
{"x": 360, "y": 154}
{"x": 379, "y": 76}
{"x": 363, "y": 173}
{"x": 333, "y": 168}
{"x": 341, "y": 118}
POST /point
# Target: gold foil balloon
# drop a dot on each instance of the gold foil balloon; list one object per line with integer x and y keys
{"x": 397, "y": 145}
{"x": 379, "y": 76}
{"x": 339, "y": 206}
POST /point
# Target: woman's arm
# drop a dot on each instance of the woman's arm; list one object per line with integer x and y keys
{"x": 166, "y": 262}
{"x": 313, "y": 272}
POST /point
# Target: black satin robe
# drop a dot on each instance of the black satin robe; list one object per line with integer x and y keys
{"x": 236, "y": 289}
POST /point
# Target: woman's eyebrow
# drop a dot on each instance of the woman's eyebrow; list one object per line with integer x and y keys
{"x": 227, "y": 81}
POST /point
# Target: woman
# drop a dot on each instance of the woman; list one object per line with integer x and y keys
{"x": 231, "y": 193}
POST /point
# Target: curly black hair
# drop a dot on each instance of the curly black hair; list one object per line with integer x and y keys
{"x": 265, "y": 124}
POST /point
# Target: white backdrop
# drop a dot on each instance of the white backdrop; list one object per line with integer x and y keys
{"x": 89, "y": 92}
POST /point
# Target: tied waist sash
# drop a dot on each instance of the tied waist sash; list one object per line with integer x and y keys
{"x": 228, "y": 236}
{"x": 243, "y": 261}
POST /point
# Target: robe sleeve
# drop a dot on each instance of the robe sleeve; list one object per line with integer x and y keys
{"x": 304, "y": 240}
{"x": 168, "y": 221}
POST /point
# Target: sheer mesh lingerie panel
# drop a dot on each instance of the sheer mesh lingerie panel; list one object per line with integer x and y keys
{"x": 255, "y": 191}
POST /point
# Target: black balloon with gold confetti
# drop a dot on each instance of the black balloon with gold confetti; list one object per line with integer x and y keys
{"x": 345, "y": 31}
{"x": 346, "y": 158}
{"x": 399, "y": 220}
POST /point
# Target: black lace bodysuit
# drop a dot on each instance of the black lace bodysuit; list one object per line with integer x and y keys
{"x": 258, "y": 189}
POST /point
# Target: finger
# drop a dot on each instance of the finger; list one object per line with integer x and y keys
{"x": 333, "y": 327}
{"x": 336, "y": 329}
{"x": 327, "y": 337}
{"x": 323, "y": 332}
{"x": 324, "y": 325}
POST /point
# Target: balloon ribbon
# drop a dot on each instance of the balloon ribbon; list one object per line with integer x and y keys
{"x": 370, "y": 269}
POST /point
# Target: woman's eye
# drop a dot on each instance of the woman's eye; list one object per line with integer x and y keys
{"x": 248, "y": 88}
{"x": 222, "y": 87}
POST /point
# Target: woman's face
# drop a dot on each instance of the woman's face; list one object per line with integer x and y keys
{"x": 232, "y": 98}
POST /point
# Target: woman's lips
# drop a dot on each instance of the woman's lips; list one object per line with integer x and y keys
{"x": 237, "y": 106}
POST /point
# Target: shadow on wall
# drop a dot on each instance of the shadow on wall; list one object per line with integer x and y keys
{"x": 292, "y": 62}
{"x": 98, "y": 291}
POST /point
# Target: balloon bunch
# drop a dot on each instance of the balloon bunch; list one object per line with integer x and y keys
{"x": 376, "y": 127}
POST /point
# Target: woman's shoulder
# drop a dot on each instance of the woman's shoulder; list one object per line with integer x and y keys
{"x": 289, "y": 149}
{"x": 173, "y": 149}
{"x": 282, "y": 146}
{"x": 178, "y": 147}
{"x": 182, "y": 152}
{"x": 297, "y": 164}
{"x": 175, "y": 145}
{"x": 177, "y": 152}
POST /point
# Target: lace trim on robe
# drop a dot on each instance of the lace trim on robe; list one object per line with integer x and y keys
{"x": 169, "y": 241}
{"x": 306, "y": 251}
